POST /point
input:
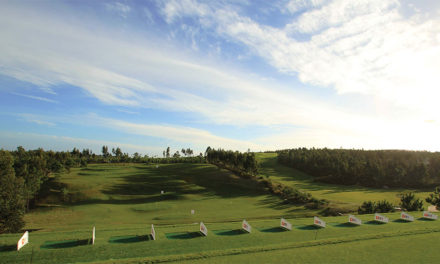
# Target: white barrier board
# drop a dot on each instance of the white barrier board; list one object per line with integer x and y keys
{"x": 246, "y": 227}
{"x": 23, "y": 240}
{"x": 406, "y": 217}
{"x": 318, "y": 222}
{"x": 93, "y": 236}
{"x": 285, "y": 224}
{"x": 354, "y": 220}
{"x": 203, "y": 229}
{"x": 153, "y": 232}
{"x": 193, "y": 211}
{"x": 429, "y": 215}
{"x": 380, "y": 218}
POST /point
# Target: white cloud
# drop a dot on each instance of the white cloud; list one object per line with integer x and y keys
{"x": 364, "y": 47}
{"x": 367, "y": 51}
{"x": 121, "y": 9}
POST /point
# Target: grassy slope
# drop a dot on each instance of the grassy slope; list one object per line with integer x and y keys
{"x": 126, "y": 195}
{"x": 344, "y": 196}
{"x": 122, "y": 200}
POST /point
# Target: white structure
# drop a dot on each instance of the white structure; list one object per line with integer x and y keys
{"x": 246, "y": 227}
{"x": 318, "y": 222}
{"x": 380, "y": 218}
{"x": 429, "y": 215}
{"x": 406, "y": 217}
{"x": 354, "y": 220}
{"x": 23, "y": 240}
{"x": 285, "y": 224}
{"x": 153, "y": 232}
{"x": 203, "y": 229}
{"x": 93, "y": 236}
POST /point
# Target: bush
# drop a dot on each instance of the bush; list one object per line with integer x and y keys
{"x": 434, "y": 198}
{"x": 384, "y": 207}
{"x": 409, "y": 202}
{"x": 369, "y": 207}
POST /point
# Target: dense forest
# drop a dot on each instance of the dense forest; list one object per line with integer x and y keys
{"x": 23, "y": 174}
{"x": 371, "y": 168}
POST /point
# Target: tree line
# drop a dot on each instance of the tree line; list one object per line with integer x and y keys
{"x": 371, "y": 168}
{"x": 24, "y": 173}
{"x": 243, "y": 164}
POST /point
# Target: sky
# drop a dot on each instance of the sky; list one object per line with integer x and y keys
{"x": 232, "y": 74}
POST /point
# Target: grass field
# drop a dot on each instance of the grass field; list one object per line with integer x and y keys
{"x": 123, "y": 200}
{"x": 350, "y": 197}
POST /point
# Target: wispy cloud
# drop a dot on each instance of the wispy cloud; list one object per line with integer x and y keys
{"x": 44, "y": 99}
{"x": 37, "y": 119}
{"x": 122, "y": 9}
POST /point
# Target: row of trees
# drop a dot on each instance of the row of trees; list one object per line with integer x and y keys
{"x": 373, "y": 168}
{"x": 244, "y": 164}
{"x": 23, "y": 173}
{"x": 185, "y": 152}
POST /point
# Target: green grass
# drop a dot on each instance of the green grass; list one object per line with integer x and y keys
{"x": 350, "y": 197}
{"x": 123, "y": 195}
{"x": 178, "y": 242}
{"x": 123, "y": 200}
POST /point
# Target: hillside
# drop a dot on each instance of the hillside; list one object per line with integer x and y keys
{"x": 343, "y": 196}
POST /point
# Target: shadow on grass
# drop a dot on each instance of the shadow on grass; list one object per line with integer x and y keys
{"x": 229, "y": 232}
{"x": 183, "y": 235}
{"x": 372, "y": 222}
{"x": 130, "y": 239}
{"x": 401, "y": 221}
{"x": 277, "y": 229}
{"x": 425, "y": 219}
{"x": 65, "y": 244}
{"x": 309, "y": 227}
{"x": 8, "y": 247}
{"x": 346, "y": 225}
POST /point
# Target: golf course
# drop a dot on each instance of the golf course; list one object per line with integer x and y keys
{"x": 122, "y": 201}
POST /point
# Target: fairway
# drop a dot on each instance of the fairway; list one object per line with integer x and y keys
{"x": 349, "y": 197}
{"x": 123, "y": 195}
{"x": 123, "y": 200}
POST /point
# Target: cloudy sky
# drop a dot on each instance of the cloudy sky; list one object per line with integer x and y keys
{"x": 236, "y": 74}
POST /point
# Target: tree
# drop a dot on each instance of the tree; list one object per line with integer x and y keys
{"x": 409, "y": 202}
{"x": 168, "y": 152}
{"x": 434, "y": 198}
{"x": 12, "y": 203}
{"x": 105, "y": 151}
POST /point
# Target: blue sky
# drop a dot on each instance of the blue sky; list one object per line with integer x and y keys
{"x": 259, "y": 75}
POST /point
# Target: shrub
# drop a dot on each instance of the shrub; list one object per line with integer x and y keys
{"x": 384, "y": 207}
{"x": 434, "y": 198}
{"x": 367, "y": 207}
{"x": 409, "y": 202}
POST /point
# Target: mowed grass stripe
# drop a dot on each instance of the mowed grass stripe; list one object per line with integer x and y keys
{"x": 283, "y": 246}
